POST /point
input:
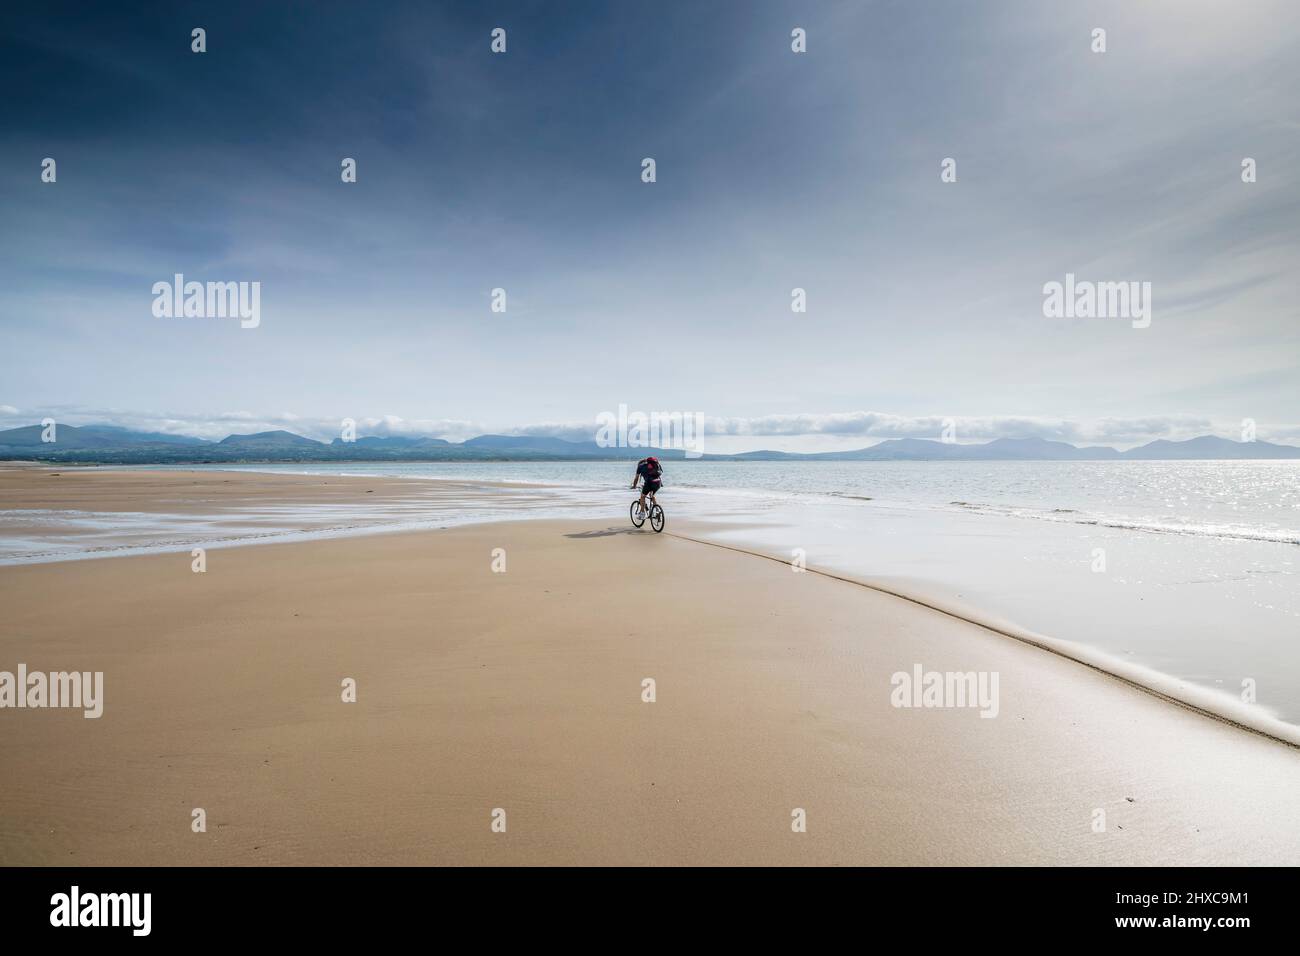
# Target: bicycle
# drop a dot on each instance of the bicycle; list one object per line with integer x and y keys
{"x": 654, "y": 512}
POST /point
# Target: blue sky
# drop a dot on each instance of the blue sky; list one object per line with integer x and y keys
{"x": 775, "y": 170}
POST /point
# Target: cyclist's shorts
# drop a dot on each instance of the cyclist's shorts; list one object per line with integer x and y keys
{"x": 651, "y": 486}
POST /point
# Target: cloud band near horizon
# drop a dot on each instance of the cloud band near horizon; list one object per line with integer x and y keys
{"x": 788, "y": 432}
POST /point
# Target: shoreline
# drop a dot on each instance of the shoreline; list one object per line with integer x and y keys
{"x": 1166, "y": 687}
{"x": 275, "y": 488}
{"x": 523, "y": 690}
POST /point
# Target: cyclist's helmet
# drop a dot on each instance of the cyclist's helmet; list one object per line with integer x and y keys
{"x": 652, "y": 460}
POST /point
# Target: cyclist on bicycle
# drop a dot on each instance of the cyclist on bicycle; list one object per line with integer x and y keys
{"x": 649, "y": 470}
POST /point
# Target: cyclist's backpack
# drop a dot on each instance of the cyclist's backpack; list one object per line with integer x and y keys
{"x": 652, "y": 469}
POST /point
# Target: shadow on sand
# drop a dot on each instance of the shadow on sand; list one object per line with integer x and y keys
{"x": 606, "y": 532}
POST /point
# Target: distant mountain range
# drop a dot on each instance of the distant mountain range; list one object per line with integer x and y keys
{"x": 109, "y": 444}
{"x": 1040, "y": 449}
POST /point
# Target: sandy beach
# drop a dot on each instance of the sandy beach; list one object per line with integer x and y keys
{"x": 36, "y": 488}
{"x": 522, "y": 690}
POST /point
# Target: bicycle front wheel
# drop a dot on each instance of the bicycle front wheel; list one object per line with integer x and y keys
{"x": 638, "y": 516}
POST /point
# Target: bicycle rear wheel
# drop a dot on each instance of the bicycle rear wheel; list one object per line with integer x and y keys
{"x": 657, "y": 518}
{"x": 638, "y": 516}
